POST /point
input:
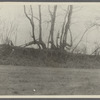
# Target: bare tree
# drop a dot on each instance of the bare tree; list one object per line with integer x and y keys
{"x": 51, "y": 34}
{"x": 63, "y": 27}
{"x": 96, "y": 49}
{"x": 31, "y": 19}
{"x": 66, "y": 28}
{"x": 40, "y": 29}
{"x": 9, "y": 34}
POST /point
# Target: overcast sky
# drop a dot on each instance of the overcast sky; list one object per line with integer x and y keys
{"x": 82, "y": 16}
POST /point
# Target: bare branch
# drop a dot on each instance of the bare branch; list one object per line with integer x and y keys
{"x": 67, "y": 26}
{"x": 82, "y": 36}
{"x": 35, "y": 17}
{"x": 63, "y": 27}
{"x": 26, "y": 13}
{"x": 53, "y": 18}
{"x": 31, "y": 20}
{"x": 40, "y": 26}
{"x": 50, "y": 11}
{"x": 95, "y": 50}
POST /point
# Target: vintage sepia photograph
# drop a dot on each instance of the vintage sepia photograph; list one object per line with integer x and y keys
{"x": 49, "y": 49}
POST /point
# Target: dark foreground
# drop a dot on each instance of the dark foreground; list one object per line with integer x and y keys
{"x": 26, "y": 80}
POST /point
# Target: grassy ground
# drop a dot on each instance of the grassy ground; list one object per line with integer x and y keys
{"x": 24, "y": 80}
{"x": 37, "y": 72}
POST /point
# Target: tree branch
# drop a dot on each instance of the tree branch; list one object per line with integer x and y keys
{"x": 50, "y": 11}
{"x": 26, "y": 13}
{"x": 82, "y": 37}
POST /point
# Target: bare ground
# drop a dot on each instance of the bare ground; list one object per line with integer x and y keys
{"x": 24, "y": 80}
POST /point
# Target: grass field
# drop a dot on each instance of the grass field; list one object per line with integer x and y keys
{"x": 28, "y": 71}
{"x": 24, "y": 80}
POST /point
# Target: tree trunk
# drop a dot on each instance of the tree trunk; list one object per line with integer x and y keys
{"x": 67, "y": 26}
{"x": 66, "y": 29}
{"x": 40, "y": 42}
{"x": 51, "y": 35}
{"x": 40, "y": 29}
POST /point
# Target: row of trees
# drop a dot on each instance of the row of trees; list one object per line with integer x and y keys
{"x": 62, "y": 36}
{"x": 61, "y": 42}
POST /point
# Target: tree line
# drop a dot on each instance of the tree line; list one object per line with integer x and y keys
{"x": 62, "y": 36}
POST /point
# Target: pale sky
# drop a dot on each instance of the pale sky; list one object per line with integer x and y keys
{"x": 82, "y": 16}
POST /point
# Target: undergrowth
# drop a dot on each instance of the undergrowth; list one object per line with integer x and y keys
{"x": 46, "y": 58}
